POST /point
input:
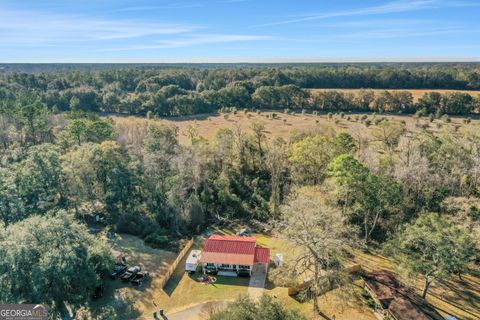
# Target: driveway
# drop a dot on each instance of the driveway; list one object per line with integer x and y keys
{"x": 257, "y": 281}
{"x": 196, "y": 312}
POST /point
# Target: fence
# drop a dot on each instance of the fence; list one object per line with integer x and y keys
{"x": 174, "y": 265}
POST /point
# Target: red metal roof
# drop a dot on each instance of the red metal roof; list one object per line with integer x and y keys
{"x": 230, "y": 244}
{"x": 234, "y": 250}
{"x": 228, "y": 258}
{"x": 262, "y": 255}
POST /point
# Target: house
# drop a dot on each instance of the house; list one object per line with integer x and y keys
{"x": 233, "y": 255}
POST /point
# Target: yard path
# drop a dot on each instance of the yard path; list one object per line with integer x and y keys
{"x": 257, "y": 281}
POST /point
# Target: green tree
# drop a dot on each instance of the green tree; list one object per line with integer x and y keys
{"x": 431, "y": 247}
{"x": 367, "y": 198}
{"x": 309, "y": 158}
{"x": 32, "y": 185}
{"x": 51, "y": 260}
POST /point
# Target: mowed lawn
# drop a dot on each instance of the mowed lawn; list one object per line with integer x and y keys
{"x": 283, "y": 126}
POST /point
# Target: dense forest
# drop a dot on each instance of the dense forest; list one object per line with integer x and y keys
{"x": 61, "y": 164}
{"x": 190, "y": 89}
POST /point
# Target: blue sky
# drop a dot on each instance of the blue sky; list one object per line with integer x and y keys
{"x": 238, "y": 30}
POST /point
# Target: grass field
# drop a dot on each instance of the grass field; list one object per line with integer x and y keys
{"x": 416, "y": 93}
{"x": 283, "y": 126}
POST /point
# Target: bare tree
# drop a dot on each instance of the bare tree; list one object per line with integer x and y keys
{"x": 323, "y": 236}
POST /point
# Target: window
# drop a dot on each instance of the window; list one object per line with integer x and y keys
{"x": 243, "y": 267}
{"x": 226, "y": 266}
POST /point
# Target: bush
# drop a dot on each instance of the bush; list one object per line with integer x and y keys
{"x": 446, "y": 118}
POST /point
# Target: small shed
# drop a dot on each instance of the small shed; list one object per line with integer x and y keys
{"x": 192, "y": 261}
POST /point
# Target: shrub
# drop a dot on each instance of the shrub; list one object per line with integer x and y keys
{"x": 446, "y": 118}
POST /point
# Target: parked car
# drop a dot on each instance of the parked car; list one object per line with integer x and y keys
{"x": 118, "y": 270}
{"x": 130, "y": 273}
{"x": 210, "y": 270}
{"x": 98, "y": 292}
{"x": 244, "y": 232}
{"x": 139, "y": 278}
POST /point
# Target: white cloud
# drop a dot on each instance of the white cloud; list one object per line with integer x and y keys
{"x": 390, "y": 7}
{"x": 21, "y": 27}
{"x": 192, "y": 40}
{"x": 187, "y": 5}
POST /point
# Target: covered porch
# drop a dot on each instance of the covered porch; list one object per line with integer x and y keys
{"x": 226, "y": 268}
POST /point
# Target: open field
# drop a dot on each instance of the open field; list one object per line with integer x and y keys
{"x": 283, "y": 126}
{"x": 416, "y": 93}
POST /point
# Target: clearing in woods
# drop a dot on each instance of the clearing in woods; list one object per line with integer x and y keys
{"x": 282, "y": 126}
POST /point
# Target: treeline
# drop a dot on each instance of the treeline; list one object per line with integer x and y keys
{"x": 186, "y": 91}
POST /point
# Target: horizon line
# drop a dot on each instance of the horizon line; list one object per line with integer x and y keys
{"x": 256, "y": 61}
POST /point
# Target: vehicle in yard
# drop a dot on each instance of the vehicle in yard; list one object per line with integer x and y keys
{"x": 244, "y": 232}
{"x": 193, "y": 260}
{"x": 138, "y": 278}
{"x": 130, "y": 273}
{"x": 98, "y": 292}
{"x": 118, "y": 270}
